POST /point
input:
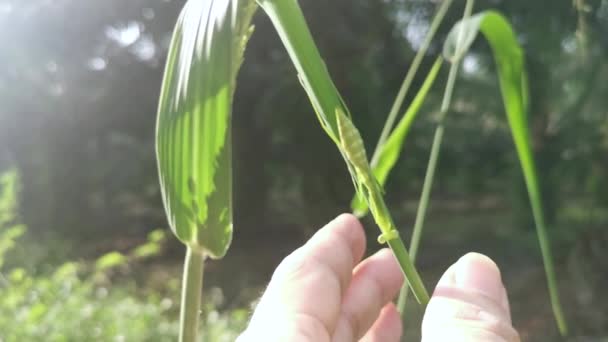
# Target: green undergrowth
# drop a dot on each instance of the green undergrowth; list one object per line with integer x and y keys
{"x": 91, "y": 300}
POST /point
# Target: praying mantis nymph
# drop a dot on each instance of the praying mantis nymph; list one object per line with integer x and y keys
{"x": 352, "y": 143}
{"x": 352, "y": 146}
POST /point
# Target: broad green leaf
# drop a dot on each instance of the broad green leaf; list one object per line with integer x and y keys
{"x": 193, "y": 132}
{"x": 512, "y": 77}
{"x": 391, "y": 150}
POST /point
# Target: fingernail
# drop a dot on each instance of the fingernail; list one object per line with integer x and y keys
{"x": 479, "y": 273}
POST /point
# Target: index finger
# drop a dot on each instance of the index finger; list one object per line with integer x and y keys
{"x": 309, "y": 283}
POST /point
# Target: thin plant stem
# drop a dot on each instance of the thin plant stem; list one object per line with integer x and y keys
{"x": 409, "y": 77}
{"x": 434, "y": 157}
{"x": 192, "y": 288}
{"x": 385, "y": 221}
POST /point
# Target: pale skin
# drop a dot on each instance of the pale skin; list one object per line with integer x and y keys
{"x": 324, "y": 292}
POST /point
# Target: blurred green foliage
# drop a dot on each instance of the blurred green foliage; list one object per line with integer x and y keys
{"x": 79, "y": 301}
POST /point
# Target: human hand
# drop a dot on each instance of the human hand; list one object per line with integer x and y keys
{"x": 322, "y": 292}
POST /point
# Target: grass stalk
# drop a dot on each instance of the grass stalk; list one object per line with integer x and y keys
{"x": 409, "y": 78}
{"x": 385, "y": 221}
{"x": 192, "y": 287}
{"x": 432, "y": 164}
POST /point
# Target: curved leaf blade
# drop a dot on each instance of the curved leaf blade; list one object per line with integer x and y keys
{"x": 391, "y": 150}
{"x": 311, "y": 69}
{"x": 513, "y": 81}
{"x": 193, "y": 139}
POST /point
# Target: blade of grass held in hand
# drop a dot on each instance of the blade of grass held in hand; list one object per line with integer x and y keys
{"x": 193, "y": 142}
{"x": 512, "y": 76}
{"x": 288, "y": 20}
{"x": 391, "y": 150}
{"x": 352, "y": 146}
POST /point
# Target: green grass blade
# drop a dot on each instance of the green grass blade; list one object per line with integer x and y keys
{"x": 512, "y": 76}
{"x": 312, "y": 72}
{"x": 358, "y": 203}
{"x": 434, "y": 155}
{"x": 409, "y": 77}
{"x": 193, "y": 139}
{"x": 288, "y": 20}
{"x": 391, "y": 150}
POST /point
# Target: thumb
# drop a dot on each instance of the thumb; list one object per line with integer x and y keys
{"x": 469, "y": 304}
